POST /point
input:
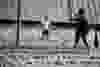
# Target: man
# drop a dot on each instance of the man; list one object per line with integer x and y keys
{"x": 81, "y": 29}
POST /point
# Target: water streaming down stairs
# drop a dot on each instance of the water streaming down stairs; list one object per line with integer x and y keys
{"x": 67, "y": 50}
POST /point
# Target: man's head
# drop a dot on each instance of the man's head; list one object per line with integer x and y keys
{"x": 80, "y": 12}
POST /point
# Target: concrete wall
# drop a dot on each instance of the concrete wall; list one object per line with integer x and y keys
{"x": 37, "y": 7}
{"x": 8, "y": 8}
{"x": 56, "y": 8}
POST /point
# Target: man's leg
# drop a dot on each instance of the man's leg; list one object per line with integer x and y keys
{"x": 85, "y": 40}
{"x": 77, "y": 38}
